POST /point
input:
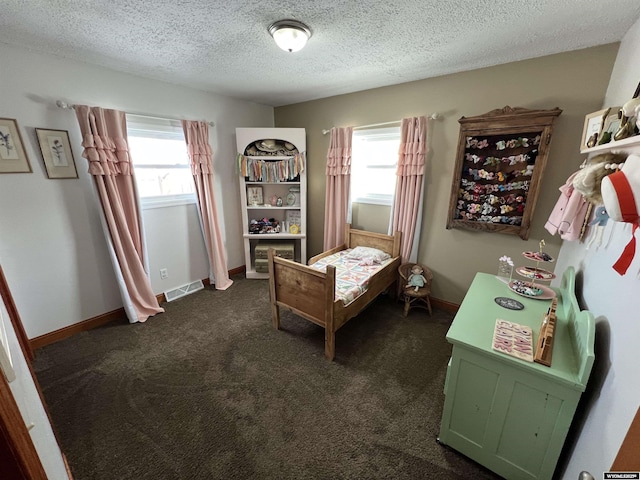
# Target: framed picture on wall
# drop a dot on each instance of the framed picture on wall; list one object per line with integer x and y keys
{"x": 595, "y": 124}
{"x": 56, "y": 153}
{"x": 13, "y": 157}
{"x": 591, "y": 129}
{"x": 500, "y": 161}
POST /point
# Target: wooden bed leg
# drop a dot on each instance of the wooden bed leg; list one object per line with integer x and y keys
{"x": 275, "y": 320}
{"x": 329, "y": 318}
{"x": 275, "y": 310}
{"x": 394, "y": 290}
{"x": 329, "y": 344}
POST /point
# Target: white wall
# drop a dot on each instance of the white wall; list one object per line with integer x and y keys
{"x": 33, "y": 413}
{"x": 613, "y": 393}
{"x": 52, "y": 247}
{"x": 175, "y": 229}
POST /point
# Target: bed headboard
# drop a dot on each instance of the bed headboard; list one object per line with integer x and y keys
{"x": 581, "y": 326}
{"x": 361, "y": 238}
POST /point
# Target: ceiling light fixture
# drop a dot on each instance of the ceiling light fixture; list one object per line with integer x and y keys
{"x": 290, "y": 35}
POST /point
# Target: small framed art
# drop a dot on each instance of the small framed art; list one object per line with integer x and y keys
{"x": 254, "y": 196}
{"x": 597, "y": 123}
{"x": 13, "y": 157}
{"x": 591, "y": 129}
{"x": 56, "y": 153}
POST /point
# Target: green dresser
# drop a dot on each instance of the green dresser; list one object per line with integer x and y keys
{"x": 510, "y": 415}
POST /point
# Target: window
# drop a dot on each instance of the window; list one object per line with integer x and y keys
{"x": 374, "y": 158}
{"x": 160, "y": 160}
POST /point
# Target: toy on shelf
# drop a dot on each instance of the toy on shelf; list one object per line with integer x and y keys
{"x": 530, "y": 288}
{"x": 264, "y": 225}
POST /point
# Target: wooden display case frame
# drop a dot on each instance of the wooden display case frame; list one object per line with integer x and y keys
{"x": 500, "y": 125}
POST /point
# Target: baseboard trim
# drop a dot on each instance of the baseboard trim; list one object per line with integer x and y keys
{"x": 238, "y": 270}
{"x": 94, "y": 322}
{"x": 62, "y": 333}
{"x": 444, "y": 305}
{"x": 66, "y": 466}
{"x": 65, "y": 332}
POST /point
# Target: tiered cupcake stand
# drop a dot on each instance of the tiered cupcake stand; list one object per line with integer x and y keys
{"x": 533, "y": 286}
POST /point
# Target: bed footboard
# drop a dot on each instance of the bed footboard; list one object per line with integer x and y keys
{"x": 304, "y": 291}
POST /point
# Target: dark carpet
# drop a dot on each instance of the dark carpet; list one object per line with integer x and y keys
{"x": 209, "y": 390}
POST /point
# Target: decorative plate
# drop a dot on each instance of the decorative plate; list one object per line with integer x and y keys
{"x": 538, "y": 256}
{"x": 291, "y": 198}
{"x": 509, "y": 303}
{"x": 535, "y": 292}
{"x": 536, "y": 273}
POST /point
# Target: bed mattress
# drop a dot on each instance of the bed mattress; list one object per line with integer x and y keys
{"x": 352, "y": 276}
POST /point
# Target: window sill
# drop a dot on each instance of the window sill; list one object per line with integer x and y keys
{"x": 147, "y": 203}
{"x": 373, "y": 201}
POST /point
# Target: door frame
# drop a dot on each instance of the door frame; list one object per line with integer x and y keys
{"x": 18, "y": 454}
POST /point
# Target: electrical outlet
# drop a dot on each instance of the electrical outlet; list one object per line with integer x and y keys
{"x": 164, "y": 273}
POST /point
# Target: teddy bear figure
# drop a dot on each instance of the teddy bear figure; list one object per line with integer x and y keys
{"x": 416, "y": 279}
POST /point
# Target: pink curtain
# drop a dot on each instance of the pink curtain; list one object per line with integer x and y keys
{"x": 336, "y": 204}
{"x": 201, "y": 155}
{"x": 104, "y": 138}
{"x": 407, "y": 206}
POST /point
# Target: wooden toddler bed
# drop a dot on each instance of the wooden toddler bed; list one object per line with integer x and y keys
{"x": 311, "y": 293}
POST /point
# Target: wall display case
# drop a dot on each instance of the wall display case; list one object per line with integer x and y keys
{"x": 273, "y": 191}
{"x": 500, "y": 160}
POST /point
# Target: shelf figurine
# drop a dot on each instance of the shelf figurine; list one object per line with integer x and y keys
{"x": 628, "y": 115}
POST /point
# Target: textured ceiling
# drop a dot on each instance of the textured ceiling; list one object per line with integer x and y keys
{"x": 224, "y": 46}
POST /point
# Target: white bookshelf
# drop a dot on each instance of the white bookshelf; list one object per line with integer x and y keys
{"x": 281, "y": 188}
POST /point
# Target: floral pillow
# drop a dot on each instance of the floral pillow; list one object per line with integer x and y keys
{"x": 367, "y": 255}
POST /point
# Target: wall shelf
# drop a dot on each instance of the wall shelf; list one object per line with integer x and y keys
{"x": 270, "y": 207}
{"x": 626, "y": 145}
{"x": 272, "y": 236}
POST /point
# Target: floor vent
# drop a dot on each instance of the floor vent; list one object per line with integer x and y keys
{"x": 180, "y": 292}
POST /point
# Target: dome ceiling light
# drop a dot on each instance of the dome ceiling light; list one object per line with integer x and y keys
{"x": 290, "y": 35}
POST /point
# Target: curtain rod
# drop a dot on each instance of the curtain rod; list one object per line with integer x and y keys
{"x": 68, "y": 106}
{"x": 433, "y": 116}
